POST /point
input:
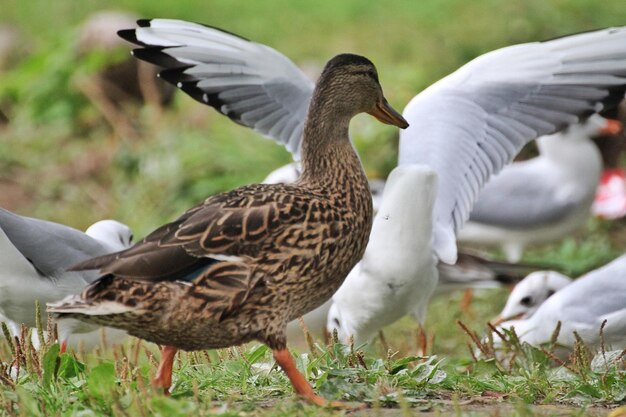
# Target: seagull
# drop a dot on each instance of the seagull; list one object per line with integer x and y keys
{"x": 530, "y": 293}
{"x": 581, "y": 307}
{"x": 34, "y": 255}
{"x": 463, "y": 129}
{"x": 545, "y": 198}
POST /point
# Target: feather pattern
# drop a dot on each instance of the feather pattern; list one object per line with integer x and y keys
{"x": 468, "y": 125}
{"x": 252, "y": 84}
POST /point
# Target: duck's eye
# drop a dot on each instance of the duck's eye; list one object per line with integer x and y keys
{"x": 336, "y": 321}
{"x": 369, "y": 73}
{"x": 550, "y": 293}
{"x": 526, "y": 301}
{"x": 130, "y": 239}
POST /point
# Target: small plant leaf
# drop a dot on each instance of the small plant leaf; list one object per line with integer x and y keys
{"x": 50, "y": 363}
{"x": 101, "y": 380}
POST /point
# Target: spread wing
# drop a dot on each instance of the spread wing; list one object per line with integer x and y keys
{"x": 252, "y": 84}
{"x": 470, "y": 124}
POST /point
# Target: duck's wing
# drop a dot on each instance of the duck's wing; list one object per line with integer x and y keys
{"x": 238, "y": 227}
{"x": 522, "y": 197}
{"x": 470, "y": 124}
{"x": 252, "y": 84}
{"x": 50, "y": 247}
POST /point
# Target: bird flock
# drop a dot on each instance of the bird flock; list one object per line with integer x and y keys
{"x": 318, "y": 239}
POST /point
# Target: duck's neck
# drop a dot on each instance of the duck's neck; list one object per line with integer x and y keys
{"x": 328, "y": 157}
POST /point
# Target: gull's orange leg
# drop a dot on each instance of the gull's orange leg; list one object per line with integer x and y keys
{"x": 163, "y": 378}
{"x": 466, "y": 300}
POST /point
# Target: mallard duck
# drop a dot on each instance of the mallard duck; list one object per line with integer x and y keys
{"x": 34, "y": 256}
{"x": 464, "y": 128}
{"x": 290, "y": 173}
{"x": 242, "y": 264}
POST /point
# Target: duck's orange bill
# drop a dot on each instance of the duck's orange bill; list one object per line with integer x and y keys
{"x": 386, "y": 114}
{"x": 611, "y": 127}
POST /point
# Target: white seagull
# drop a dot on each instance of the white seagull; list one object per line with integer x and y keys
{"x": 581, "y": 307}
{"x": 530, "y": 293}
{"x": 545, "y": 198}
{"x": 464, "y": 129}
{"x": 34, "y": 256}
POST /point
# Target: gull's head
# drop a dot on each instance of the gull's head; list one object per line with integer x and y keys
{"x": 531, "y": 292}
{"x": 336, "y": 322}
{"x": 111, "y": 233}
{"x": 594, "y": 125}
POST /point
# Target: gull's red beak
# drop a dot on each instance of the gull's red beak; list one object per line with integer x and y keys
{"x": 611, "y": 127}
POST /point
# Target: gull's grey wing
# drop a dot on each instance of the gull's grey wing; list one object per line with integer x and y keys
{"x": 520, "y": 197}
{"x": 477, "y": 271}
{"x": 50, "y": 247}
{"x": 252, "y": 84}
{"x": 470, "y": 124}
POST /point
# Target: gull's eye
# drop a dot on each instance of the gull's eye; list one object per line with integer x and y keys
{"x": 526, "y": 301}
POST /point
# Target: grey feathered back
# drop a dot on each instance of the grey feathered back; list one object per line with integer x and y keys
{"x": 50, "y": 247}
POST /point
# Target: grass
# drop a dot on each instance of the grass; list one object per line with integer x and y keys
{"x": 63, "y": 162}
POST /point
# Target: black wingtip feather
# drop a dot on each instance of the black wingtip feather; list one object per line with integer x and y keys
{"x": 177, "y": 75}
{"x": 129, "y": 35}
{"x": 144, "y": 23}
{"x": 213, "y": 100}
{"x": 156, "y": 56}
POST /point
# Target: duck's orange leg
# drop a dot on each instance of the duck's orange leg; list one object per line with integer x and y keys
{"x": 299, "y": 382}
{"x": 63, "y": 348}
{"x": 163, "y": 378}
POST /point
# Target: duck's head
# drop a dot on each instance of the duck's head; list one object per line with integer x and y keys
{"x": 351, "y": 83}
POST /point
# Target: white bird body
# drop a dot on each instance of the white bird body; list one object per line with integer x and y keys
{"x": 543, "y": 199}
{"x": 398, "y": 272}
{"x": 582, "y": 306}
{"x": 34, "y": 256}
{"x": 463, "y": 129}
